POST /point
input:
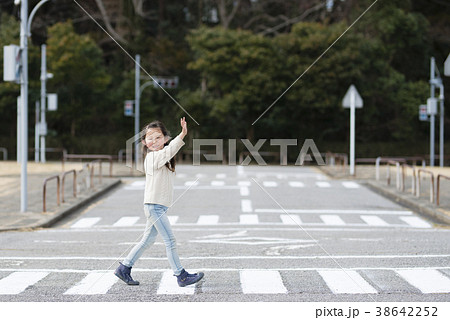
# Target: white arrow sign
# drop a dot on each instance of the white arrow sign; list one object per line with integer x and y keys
{"x": 347, "y": 101}
{"x": 447, "y": 66}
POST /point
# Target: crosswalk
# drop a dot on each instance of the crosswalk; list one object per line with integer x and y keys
{"x": 222, "y": 184}
{"x": 403, "y": 219}
{"x": 244, "y": 281}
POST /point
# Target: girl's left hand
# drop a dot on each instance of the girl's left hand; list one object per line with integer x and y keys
{"x": 184, "y": 129}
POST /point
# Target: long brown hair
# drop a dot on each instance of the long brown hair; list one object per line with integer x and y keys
{"x": 158, "y": 124}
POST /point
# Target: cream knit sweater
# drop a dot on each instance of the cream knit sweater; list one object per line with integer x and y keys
{"x": 158, "y": 178}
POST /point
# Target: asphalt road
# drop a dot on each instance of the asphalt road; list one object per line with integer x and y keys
{"x": 259, "y": 234}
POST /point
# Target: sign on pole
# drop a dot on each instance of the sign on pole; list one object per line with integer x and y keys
{"x": 423, "y": 114}
{"x": 52, "y": 102}
{"x": 447, "y": 66}
{"x": 11, "y": 63}
{"x": 352, "y": 100}
{"x": 128, "y": 108}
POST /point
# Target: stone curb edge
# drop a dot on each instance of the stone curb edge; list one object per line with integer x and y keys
{"x": 435, "y": 215}
{"x": 64, "y": 213}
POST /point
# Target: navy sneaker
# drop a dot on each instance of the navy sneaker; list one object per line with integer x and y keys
{"x": 185, "y": 278}
{"x": 123, "y": 273}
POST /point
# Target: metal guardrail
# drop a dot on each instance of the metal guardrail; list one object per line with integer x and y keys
{"x": 45, "y": 190}
{"x": 90, "y": 156}
{"x": 413, "y": 177}
{"x": 403, "y": 159}
{"x": 91, "y": 167}
{"x": 388, "y": 174}
{"x": 438, "y": 184}
{"x": 5, "y": 153}
{"x": 331, "y": 159}
{"x": 431, "y": 185}
{"x": 63, "y": 177}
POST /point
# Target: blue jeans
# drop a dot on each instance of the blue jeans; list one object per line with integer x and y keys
{"x": 157, "y": 222}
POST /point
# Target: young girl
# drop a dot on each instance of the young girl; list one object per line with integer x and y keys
{"x": 159, "y": 165}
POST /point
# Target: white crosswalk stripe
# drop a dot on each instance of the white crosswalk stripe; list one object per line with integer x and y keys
{"x": 248, "y": 219}
{"x": 323, "y": 184}
{"x": 17, "y": 282}
{"x": 191, "y": 183}
{"x": 296, "y": 184}
{"x": 348, "y": 281}
{"x": 126, "y": 221}
{"x": 94, "y": 283}
{"x": 270, "y": 184}
{"x": 217, "y": 183}
{"x": 221, "y": 176}
{"x": 246, "y": 205}
{"x": 332, "y": 219}
{"x": 85, "y": 222}
{"x": 208, "y": 219}
{"x": 169, "y": 285}
{"x": 374, "y": 221}
{"x": 244, "y": 191}
{"x": 350, "y": 184}
{"x": 262, "y": 282}
{"x": 251, "y": 281}
{"x": 426, "y": 280}
{"x": 290, "y": 219}
{"x": 416, "y": 222}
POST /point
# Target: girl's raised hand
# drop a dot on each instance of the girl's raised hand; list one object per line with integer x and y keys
{"x": 183, "y": 127}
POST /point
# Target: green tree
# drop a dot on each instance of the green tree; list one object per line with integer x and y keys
{"x": 80, "y": 79}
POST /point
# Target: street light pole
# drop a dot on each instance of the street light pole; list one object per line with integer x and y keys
{"x": 43, "y": 96}
{"x": 136, "y": 107}
{"x": 432, "y": 80}
{"x": 24, "y": 105}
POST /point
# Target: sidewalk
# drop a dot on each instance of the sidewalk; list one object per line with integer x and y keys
{"x": 10, "y": 216}
{"x": 365, "y": 174}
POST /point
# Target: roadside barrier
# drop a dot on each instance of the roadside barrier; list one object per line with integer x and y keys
{"x": 413, "y": 177}
{"x": 45, "y": 191}
{"x": 431, "y": 184}
{"x": 388, "y": 174}
{"x": 74, "y": 183}
{"x": 438, "y": 184}
{"x": 90, "y": 156}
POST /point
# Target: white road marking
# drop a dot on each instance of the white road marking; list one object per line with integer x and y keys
{"x": 350, "y": 184}
{"x": 323, "y": 184}
{"x": 262, "y": 282}
{"x": 246, "y": 205}
{"x": 244, "y": 191}
{"x": 85, "y": 222}
{"x": 181, "y": 175}
{"x": 17, "y": 282}
{"x": 416, "y": 222}
{"x": 197, "y": 187}
{"x": 191, "y": 183}
{"x": 248, "y": 219}
{"x": 331, "y": 219}
{"x": 217, "y": 183}
{"x": 244, "y": 183}
{"x": 221, "y": 176}
{"x": 208, "y": 219}
{"x": 173, "y": 219}
{"x": 426, "y": 280}
{"x": 374, "y": 221}
{"x": 240, "y": 170}
{"x": 169, "y": 285}
{"x": 270, "y": 184}
{"x": 94, "y": 283}
{"x": 335, "y": 211}
{"x": 307, "y": 257}
{"x": 348, "y": 281}
{"x": 296, "y": 184}
{"x": 291, "y": 219}
{"x": 126, "y": 221}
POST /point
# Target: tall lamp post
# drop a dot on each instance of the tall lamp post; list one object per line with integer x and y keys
{"x": 25, "y": 24}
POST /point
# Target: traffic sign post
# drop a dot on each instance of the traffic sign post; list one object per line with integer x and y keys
{"x": 423, "y": 114}
{"x": 128, "y": 108}
{"x": 352, "y": 100}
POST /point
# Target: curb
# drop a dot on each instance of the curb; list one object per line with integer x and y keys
{"x": 434, "y": 215}
{"x": 66, "y": 212}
